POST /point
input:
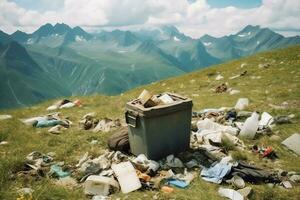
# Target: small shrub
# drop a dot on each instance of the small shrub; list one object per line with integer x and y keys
{"x": 227, "y": 144}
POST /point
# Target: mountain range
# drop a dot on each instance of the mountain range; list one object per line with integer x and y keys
{"x": 58, "y": 60}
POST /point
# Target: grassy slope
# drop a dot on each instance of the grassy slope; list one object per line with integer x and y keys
{"x": 279, "y": 83}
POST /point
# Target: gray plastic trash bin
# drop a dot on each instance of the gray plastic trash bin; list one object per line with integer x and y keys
{"x": 160, "y": 130}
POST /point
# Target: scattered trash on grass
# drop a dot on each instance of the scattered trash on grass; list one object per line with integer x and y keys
{"x": 204, "y": 151}
{"x": 57, "y": 129}
{"x": 286, "y": 184}
{"x": 3, "y": 143}
{"x": 239, "y": 75}
{"x": 167, "y": 189}
{"x": 57, "y": 171}
{"x": 105, "y": 125}
{"x": 263, "y": 65}
{"x": 233, "y": 92}
{"x": 4, "y": 117}
{"x": 265, "y": 152}
{"x": 216, "y": 173}
{"x": 221, "y": 88}
{"x": 48, "y": 120}
{"x": 219, "y": 77}
{"x": 65, "y": 103}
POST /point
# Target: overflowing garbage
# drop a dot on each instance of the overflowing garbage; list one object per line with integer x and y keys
{"x": 149, "y": 117}
{"x": 142, "y": 157}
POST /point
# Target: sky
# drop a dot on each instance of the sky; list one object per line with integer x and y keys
{"x": 192, "y": 17}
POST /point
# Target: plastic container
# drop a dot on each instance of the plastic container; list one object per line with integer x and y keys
{"x": 250, "y": 126}
{"x": 99, "y": 185}
{"x": 160, "y": 130}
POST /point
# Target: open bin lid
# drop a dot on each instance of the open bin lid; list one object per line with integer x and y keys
{"x": 180, "y": 103}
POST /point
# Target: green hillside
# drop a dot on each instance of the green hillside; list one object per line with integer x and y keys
{"x": 23, "y": 81}
{"x": 278, "y": 83}
{"x": 75, "y": 62}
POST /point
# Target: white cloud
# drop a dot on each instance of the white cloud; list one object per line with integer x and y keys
{"x": 194, "y": 19}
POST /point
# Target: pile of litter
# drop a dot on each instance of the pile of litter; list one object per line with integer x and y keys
{"x": 90, "y": 122}
{"x": 212, "y": 131}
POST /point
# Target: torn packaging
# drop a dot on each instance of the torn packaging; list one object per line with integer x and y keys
{"x": 209, "y": 125}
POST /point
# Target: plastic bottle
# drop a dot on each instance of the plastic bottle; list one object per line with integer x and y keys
{"x": 250, "y": 126}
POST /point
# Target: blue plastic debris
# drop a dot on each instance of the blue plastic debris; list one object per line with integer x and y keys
{"x": 177, "y": 183}
{"x": 48, "y": 123}
{"x": 57, "y": 170}
{"x": 216, "y": 173}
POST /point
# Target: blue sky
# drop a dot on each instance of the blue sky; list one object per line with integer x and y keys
{"x": 193, "y": 17}
{"x": 40, "y": 5}
{"x": 235, "y": 3}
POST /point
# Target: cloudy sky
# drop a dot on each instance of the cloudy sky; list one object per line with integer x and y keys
{"x": 193, "y": 17}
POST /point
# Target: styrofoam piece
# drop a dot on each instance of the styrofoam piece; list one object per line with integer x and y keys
{"x": 126, "y": 176}
{"x": 266, "y": 119}
{"x": 241, "y": 104}
{"x": 166, "y": 99}
{"x": 219, "y": 77}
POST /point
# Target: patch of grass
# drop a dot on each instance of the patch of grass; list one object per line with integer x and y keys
{"x": 3, "y": 136}
{"x": 227, "y": 144}
{"x": 239, "y": 155}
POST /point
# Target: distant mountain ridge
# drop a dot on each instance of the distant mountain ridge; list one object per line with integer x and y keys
{"x": 57, "y": 60}
{"x": 250, "y": 40}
